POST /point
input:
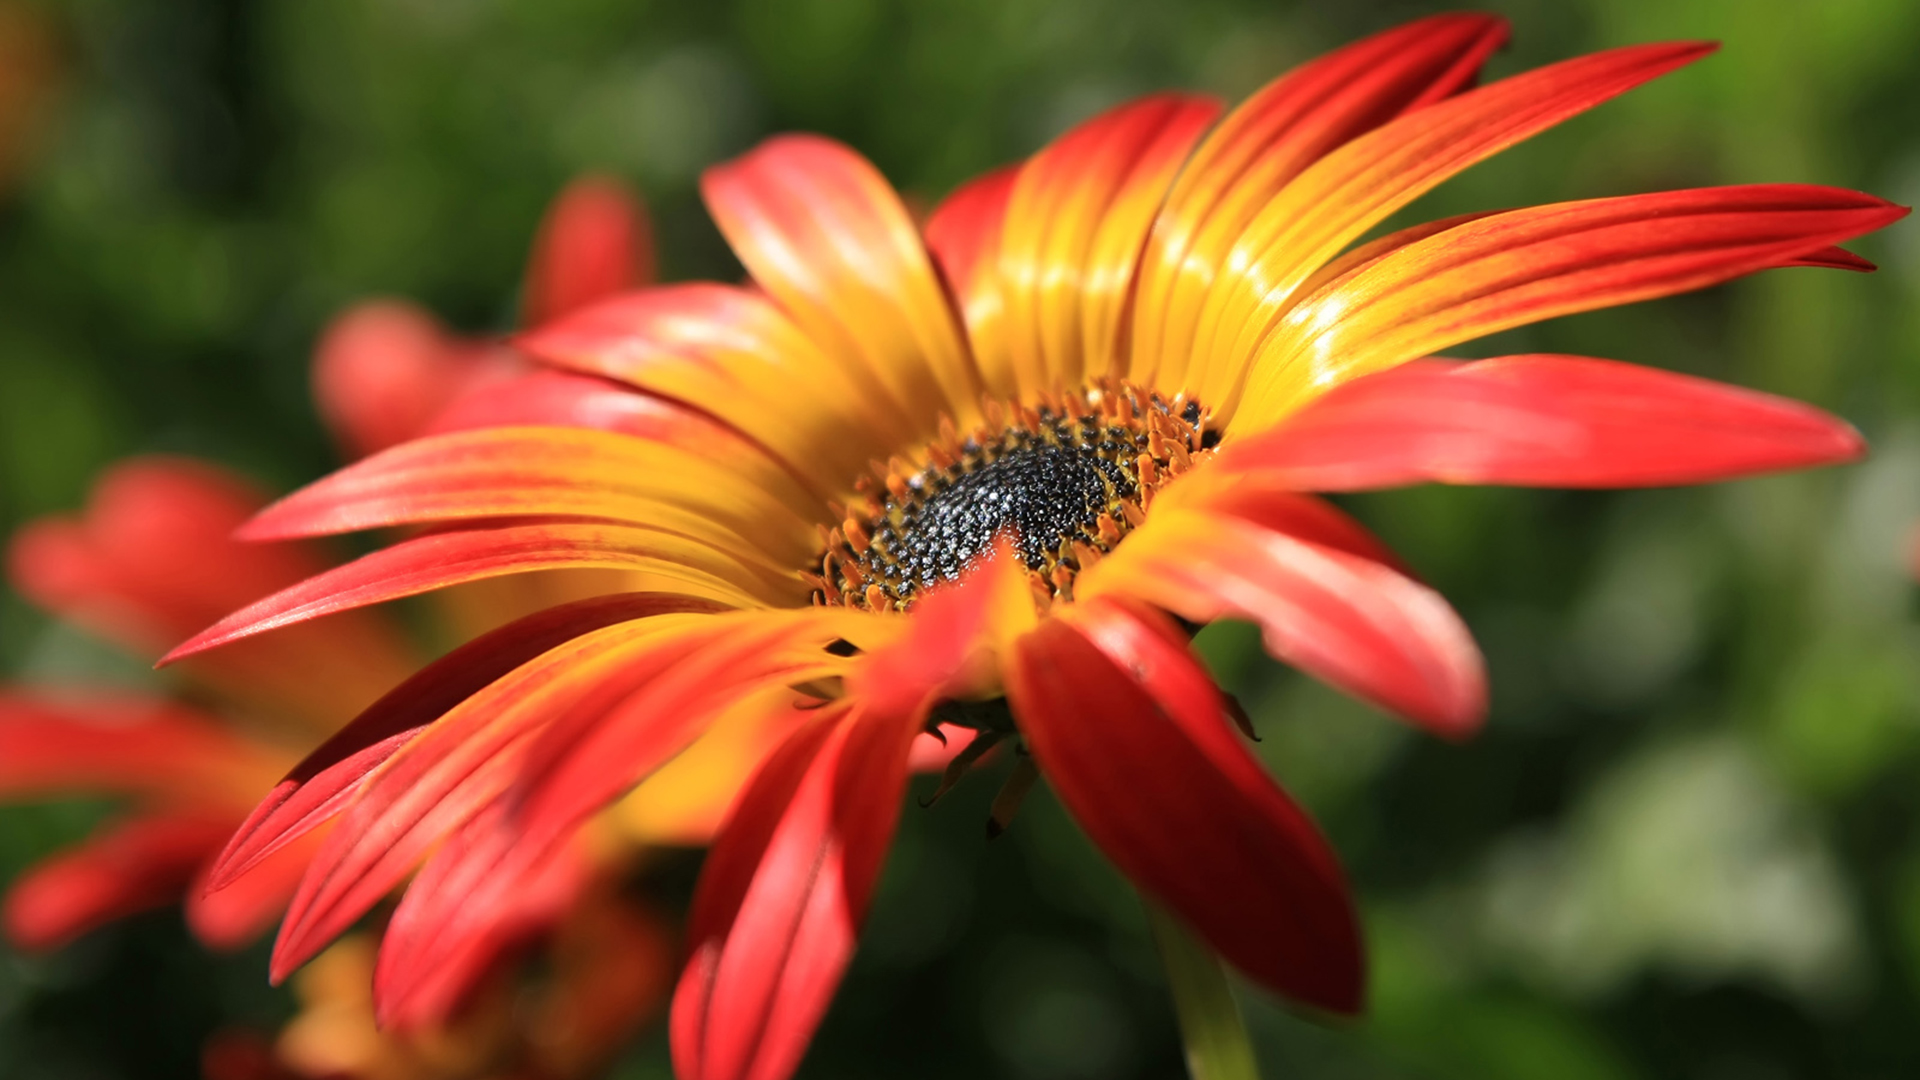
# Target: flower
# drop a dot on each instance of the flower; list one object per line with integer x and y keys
{"x": 387, "y": 370}
{"x": 984, "y": 476}
{"x": 153, "y": 557}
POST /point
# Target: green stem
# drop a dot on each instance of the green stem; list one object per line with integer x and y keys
{"x": 1210, "y": 1024}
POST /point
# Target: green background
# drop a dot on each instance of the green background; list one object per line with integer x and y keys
{"x": 1687, "y": 844}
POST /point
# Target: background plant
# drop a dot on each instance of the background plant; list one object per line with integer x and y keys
{"x": 1687, "y": 844}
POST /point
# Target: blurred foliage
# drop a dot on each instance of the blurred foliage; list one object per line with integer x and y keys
{"x": 1687, "y": 845}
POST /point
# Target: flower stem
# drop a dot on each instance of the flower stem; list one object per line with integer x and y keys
{"x": 1218, "y": 1047}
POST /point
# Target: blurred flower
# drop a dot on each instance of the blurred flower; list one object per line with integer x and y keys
{"x": 607, "y": 965}
{"x": 30, "y": 67}
{"x": 152, "y": 553}
{"x": 385, "y": 370}
{"x": 1098, "y": 385}
{"x": 154, "y": 556}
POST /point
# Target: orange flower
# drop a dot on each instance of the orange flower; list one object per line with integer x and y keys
{"x": 1120, "y": 365}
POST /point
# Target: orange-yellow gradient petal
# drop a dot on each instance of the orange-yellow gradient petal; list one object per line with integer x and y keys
{"x": 1075, "y": 220}
{"x": 732, "y": 354}
{"x": 553, "y": 472}
{"x": 1346, "y": 192}
{"x": 1505, "y": 270}
{"x": 1267, "y": 141}
{"x": 822, "y": 231}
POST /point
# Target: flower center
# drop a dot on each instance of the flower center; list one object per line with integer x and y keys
{"x": 1063, "y": 480}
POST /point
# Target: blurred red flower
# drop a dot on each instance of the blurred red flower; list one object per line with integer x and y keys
{"x": 153, "y": 557}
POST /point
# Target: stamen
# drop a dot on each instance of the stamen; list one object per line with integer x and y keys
{"x": 1065, "y": 478}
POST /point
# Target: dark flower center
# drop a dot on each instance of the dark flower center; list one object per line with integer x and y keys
{"x": 1041, "y": 495}
{"x": 1063, "y": 481}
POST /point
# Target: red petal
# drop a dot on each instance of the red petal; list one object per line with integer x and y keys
{"x": 1834, "y": 258}
{"x": 1549, "y": 421}
{"x": 586, "y": 758}
{"x": 120, "y": 744}
{"x": 469, "y": 758}
{"x": 319, "y": 786}
{"x": 591, "y": 751}
{"x": 1136, "y": 741}
{"x": 153, "y": 557}
{"x": 384, "y": 368}
{"x": 786, "y": 886}
{"x": 458, "y": 766}
{"x": 595, "y": 241}
{"x": 451, "y": 929}
{"x": 1342, "y": 617}
{"x": 1268, "y": 140}
{"x": 425, "y": 563}
{"x": 135, "y": 865}
{"x": 783, "y": 895}
{"x": 1522, "y": 266}
{"x": 237, "y": 915}
{"x": 1284, "y": 510}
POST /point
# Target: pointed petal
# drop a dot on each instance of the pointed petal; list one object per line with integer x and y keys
{"x": 1344, "y": 618}
{"x": 596, "y": 241}
{"x": 1267, "y": 141}
{"x": 1522, "y": 266}
{"x": 137, "y": 864}
{"x": 786, "y": 886}
{"x": 1835, "y": 258}
{"x": 820, "y": 229}
{"x": 458, "y": 766}
{"x": 1349, "y": 190}
{"x": 1074, "y": 225}
{"x": 590, "y": 751}
{"x": 1544, "y": 421}
{"x": 319, "y": 787}
{"x": 234, "y": 917}
{"x": 1135, "y": 739}
{"x": 734, "y": 355}
{"x": 550, "y": 471}
{"x": 783, "y": 895}
{"x": 585, "y": 759}
{"x": 665, "y": 561}
{"x": 1277, "y": 508}
{"x": 385, "y": 367}
{"x": 450, "y": 929}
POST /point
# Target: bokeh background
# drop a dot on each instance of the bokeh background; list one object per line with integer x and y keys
{"x": 1687, "y": 844}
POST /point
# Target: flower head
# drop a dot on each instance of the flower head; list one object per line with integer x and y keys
{"x": 983, "y": 476}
